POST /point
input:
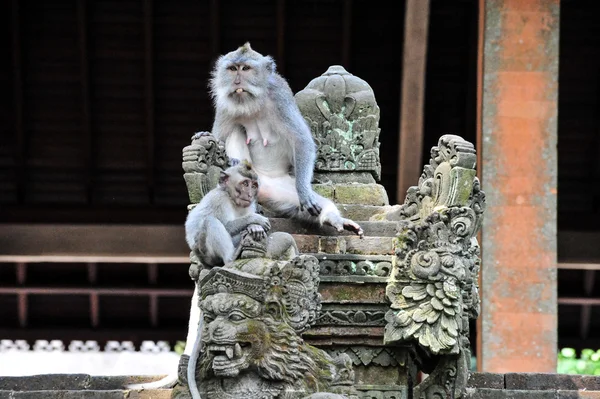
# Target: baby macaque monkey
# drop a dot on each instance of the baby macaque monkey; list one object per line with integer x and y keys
{"x": 213, "y": 228}
{"x": 257, "y": 117}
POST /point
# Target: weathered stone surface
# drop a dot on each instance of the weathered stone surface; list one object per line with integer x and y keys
{"x": 354, "y": 193}
{"x": 332, "y": 245}
{"x": 577, "y": 394}
{"x": 119, "y": 381}
{"x": 485, "y": 393}
{"x": 545, "y": 381}
{"x": 486, "y": 380}
{"x": 354, "y": 244}
{"x": 358, "y": 212}
{"x": 373, "y": 229}
{"x": 352, "y": 293}
{"x": 45, "y": 382}
{"x": 370, "y": 245}
{"x": 73, "y": 394}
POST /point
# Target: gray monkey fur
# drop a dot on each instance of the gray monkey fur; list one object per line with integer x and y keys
{"x": 258, "y": 119}
{"x": 213, "y": 228}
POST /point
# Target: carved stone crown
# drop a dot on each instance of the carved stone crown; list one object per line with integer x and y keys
{"x": 343, "y": 116}
{"x": 292, "y": 285}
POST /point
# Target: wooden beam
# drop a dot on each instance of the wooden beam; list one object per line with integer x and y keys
{"x": 22, "y": 296}
{"x": 94, "y": 310}
{"x": 586, "y": 310}
{"x": 149, "y": 96}
{"x": 416, "y": 24}
{"x": 20, "y": 150}
{"x": 154, "y": 310}
{"x": 215, "y": 28}
{"x": 86, "y": 114}
{"x": 347, "y": 34}
{"x": 21, "y": 273}
{"x": 22, "y": 309}
{"x": 93, "y": 243}
{"x": 170, "y": 292}
{"x": 579, "y": 301}
{"x": 281, "y": 36}
{"x": 152, "y": 273}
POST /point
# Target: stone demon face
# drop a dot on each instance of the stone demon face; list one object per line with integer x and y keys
{"x": 234, "y": 336}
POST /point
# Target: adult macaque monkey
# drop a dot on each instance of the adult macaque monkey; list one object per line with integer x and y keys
{"x": 258, "y": 119}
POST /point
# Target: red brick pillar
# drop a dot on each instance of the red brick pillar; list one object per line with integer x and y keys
{"x": 518, "y": 120}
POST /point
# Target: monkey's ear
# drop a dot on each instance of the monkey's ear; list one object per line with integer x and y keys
{"x": 223, "y": 178}
{"x": 270, "y": 64}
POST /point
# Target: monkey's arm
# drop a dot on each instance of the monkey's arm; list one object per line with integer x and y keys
{"x": 236, "y": 226}
{"x": 304, "y": 152}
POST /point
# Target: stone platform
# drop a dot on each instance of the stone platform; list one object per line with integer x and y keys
{"x": 480, "y": 385}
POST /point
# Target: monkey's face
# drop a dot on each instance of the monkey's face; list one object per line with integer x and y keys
{"x": 245, "y": 81}
{"x": 245, "y": 192}
{"x": 241, "y": 77}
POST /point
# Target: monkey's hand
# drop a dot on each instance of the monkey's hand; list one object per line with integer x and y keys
{"x": 257, "y": 232}
{"x": 261, "y": 221}
{"x": 197, "y": 135}
{"x": 309, "y": 202}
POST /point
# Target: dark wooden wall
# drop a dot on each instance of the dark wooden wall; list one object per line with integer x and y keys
{"x": 100, "y": 96}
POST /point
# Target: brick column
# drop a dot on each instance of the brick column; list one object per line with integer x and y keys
{"x": 518, "y": 119}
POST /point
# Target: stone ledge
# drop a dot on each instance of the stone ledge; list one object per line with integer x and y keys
{"x": 546, "y": 381}
{"x": 371, "y": 229}
{"x": 486, "y": 393}
{"x": 354, "y": 193}
{"x": 87, "y": 394}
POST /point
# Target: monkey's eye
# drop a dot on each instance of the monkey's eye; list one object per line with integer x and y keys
{"x": 246, "y": 68}
{"x": 232, "y": 68}
{"x": 245, "y": 183}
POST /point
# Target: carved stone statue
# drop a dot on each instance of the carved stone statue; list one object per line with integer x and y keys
{"x": 254, "y": 312}
{"x": 390, "y": 309}
{"x": 342, "y": 113}
{"x": 433, "y": 287}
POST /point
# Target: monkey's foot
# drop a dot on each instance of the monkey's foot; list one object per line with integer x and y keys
{"x": 352, "y": 226}
{"x": 341, "y": 224}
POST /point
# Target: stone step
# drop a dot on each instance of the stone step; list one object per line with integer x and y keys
{"x": 354, "y": 193}
{"x": 359, "y": 212}
{"x": 87, "y": 394}
{"x": 487, "y": 393}
{"x": 370, "y": 229}
{"x": 345, "y": 244}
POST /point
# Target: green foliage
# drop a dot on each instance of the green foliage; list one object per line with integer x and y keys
{"x": 587, "y": 363}
{"x": 179, "y": 347}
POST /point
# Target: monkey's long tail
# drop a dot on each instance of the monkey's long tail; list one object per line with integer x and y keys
{"x": 191, "y": 369}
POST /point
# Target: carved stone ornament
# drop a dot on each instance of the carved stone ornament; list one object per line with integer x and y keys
{"x": 254, "y": 312}
{"x": 343, "y": 116}
{"x": 202, "y": 162}
{"x": 433, "y": 287}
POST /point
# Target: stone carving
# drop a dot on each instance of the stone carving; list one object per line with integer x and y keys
{"x": 254, "y": 312}
{"x": 354, "y": 317}
{"x": 355, "y": 265}
{"x": 367, "y": 355}
{"x": 433, "y": 287}
{"x": 430, "y": 282}
{"x": 202, "y": 162}
{"x": 343, "y": 116}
